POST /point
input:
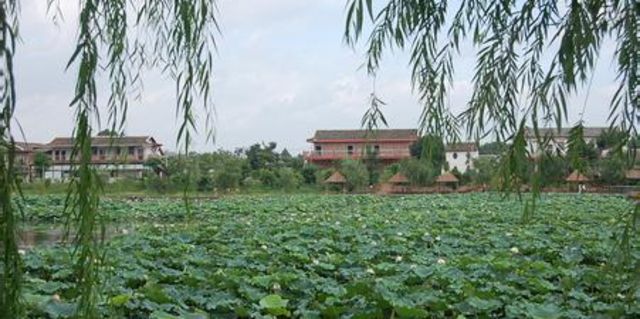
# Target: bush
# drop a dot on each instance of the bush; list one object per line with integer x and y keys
{"x": 356, "y": 174}
{"x": 287, "y": 178}
{"x": 308, "y": 173}
{"x": 419, "y": 172}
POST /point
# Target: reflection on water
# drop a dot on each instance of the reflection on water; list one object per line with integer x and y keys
{"x": 39, "y": 236}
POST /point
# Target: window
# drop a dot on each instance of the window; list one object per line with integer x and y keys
{"x": 140, "y": 153}
{"x": 132, "y": 150}
{"x": 350, "y": 149}
{"x": 376, "y": 149}
{"x": 94, "y": 150}
{"x": 63, "y": 155}
{"x": 468, "y": 155}
{"x": 455, "y": 155}
{"x": 56, "y": 155}
{"x": 101, "y": 153}
{"x": 318, "y": 149}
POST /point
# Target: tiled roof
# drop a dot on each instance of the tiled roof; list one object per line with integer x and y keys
{"x": 589, "y": 132}
{"x": 106, "y": 141}
{"x": 386, "y": 134}
{"x": 462, "y": 147}
{"x": 27, "y": 147}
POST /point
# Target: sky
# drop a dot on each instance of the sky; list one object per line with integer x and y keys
{"x": 281, "y": 72}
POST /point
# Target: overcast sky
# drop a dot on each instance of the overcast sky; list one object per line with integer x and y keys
{"x": 281, "y": 72}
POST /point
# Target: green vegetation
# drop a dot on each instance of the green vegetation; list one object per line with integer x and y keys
{"x": 311, "y": 256}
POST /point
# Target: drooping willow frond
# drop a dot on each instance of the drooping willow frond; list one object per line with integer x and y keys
{"x": 11, "y": 266}
{"x": 531, "y": 56}
{"x": 124, "y": 37}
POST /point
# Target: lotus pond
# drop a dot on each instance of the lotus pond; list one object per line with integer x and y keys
{"x": 314, "y": 256}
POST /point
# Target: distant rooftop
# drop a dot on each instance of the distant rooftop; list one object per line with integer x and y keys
{"x": 462, "y": 147}
{"x": 385, "y": 134}
{"x": 106, "y": 141}
{"x": 589, "y": 132}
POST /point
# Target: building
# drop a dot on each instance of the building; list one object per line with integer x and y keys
{"x": 558, "y": 139}
{"x": 461, "y": 155}
{"x": 117, "y": 157}
{"x": 25, "y": 153}
{"x": 387, "y": 145}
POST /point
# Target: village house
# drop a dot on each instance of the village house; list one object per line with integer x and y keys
{"x": 461, "y": 155}
{"x": 558, "y": 140}
{"x": 116, "y": 157}
{"x": 387, "y": 145}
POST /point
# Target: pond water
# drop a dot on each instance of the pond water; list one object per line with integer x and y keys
{"x": 47, "y": 235}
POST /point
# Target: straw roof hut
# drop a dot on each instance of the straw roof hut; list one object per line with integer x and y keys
{"x": 577, "y": 177}
{"x": 398, "y": 178}
{"x": 336, "y": 178}
{"x": 633, "y": 174}
{"x": 447, "y": 178}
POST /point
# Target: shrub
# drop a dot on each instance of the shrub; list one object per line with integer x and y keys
{"x": 355, "y": 173}
{"x": 287, "y": 178}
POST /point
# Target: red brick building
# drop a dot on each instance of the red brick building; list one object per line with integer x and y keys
{"x": 388, "y": 145}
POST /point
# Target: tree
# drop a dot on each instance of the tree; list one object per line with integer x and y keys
{"x": 492, "y": 148}
{"x": 356, "y": 174}
{"x": 122, "y": 38}
{"x": 41, "y": 161}
{"x": 532, "y": 55}
{"x": 429, "y": 148}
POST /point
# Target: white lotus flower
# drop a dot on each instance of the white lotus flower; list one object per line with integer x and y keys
{"x": 370, "y": 271}
{"x": 276, "y": 286}
{"x": 621, "y": 296}
{"x": 437, "y": 238}
{"x": 264, "y": 247}
{"x": 55, "y": 297}
{"x": 426, "y": 234}
{"x": 125, "y": 231}
{"x": 509, "y": 234}
{"x": 441, "y": 261}
{"x": 316, "y": 262}
{"x": 398, "y": 258}
{"x": 399, "y": 234}
{"x": 21, "y": 252}
{"x": 515, "y": 250}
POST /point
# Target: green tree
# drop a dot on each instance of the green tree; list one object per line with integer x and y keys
{"x": 355, "y": 173}
{"x": 41, "y": 161}
{"x": 419, "y": 172}
{"x": 492, "y": 148}
{"x": 429, "y": 148}
{"x": 611, "y": 170}
{"x": 484, "y": 170}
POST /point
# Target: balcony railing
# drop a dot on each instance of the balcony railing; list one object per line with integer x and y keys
{"x": 343, "y": 154}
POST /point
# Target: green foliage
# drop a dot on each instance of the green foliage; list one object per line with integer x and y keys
{"x": 554, "y": 169}
{"x": 419, "y": 172}
{"x": 41, "y": 162}
{"x": 612, "y": 170}
{"x": 484, "y": 170}
{"x": 492, "y": 148}
{"x": 351, "y": 256}
{"x": 356, "y": 174}
{"x": 429, "y": 148}
{"x": 287, "y": 179}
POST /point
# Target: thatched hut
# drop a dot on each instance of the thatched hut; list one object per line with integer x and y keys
{"x": 336, "y": 178}
{"x": 398, "y": 179}
{"x": 633, "y": 174}
{"x": 447, "y": 179}
{"x": 577, "y": 177}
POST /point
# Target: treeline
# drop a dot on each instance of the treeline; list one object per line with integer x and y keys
{"x": 261, "y": 167}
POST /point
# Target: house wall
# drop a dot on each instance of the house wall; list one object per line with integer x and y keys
{"x": 462, "y": 161}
